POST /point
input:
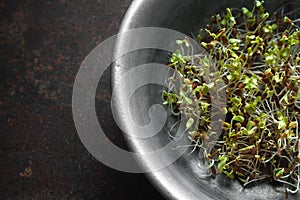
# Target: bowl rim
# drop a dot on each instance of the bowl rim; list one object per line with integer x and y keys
{"x": 156, "y": 179}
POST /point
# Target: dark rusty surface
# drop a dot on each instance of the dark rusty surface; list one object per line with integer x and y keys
{"x": 42, "y": 45}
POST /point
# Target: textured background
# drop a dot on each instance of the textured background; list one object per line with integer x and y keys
{"x": 42, "y": 45}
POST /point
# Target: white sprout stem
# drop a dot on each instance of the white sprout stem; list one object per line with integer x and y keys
{"x": 255, "y": 180}
{"x": 297, "y": 187}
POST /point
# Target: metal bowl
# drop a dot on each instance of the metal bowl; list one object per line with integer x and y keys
{"x": 181, "y": 180}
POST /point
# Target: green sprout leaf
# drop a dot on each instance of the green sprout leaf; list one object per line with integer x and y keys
{"x": 233, "y": 40}
{"x": 250, "y": 108}
{"x": 223, "y": 159}
{"x": 229, "y": 174}
{"x": 238, "y": 118}
{"x": 247, "y": 12}
{"x": 189, "y": 123}
{"x": 279, "y": 173}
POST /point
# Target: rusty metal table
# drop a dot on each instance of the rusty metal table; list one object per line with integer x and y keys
{"x": 42, "y": 45}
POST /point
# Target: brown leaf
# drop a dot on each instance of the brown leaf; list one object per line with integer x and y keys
{"x": 27, "y": 172}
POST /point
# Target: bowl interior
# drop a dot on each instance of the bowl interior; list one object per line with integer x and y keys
{"x": 182, "y": 179}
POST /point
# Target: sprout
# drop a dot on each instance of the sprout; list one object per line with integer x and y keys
{"x": 189, "y": 123}
{"x": 258, "y": 58}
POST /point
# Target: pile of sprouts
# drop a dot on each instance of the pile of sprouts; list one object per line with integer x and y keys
{"x": 256, "y": 55}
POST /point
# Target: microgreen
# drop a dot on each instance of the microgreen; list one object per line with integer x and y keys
{"x": 257, "y": 55}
